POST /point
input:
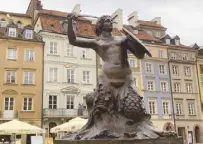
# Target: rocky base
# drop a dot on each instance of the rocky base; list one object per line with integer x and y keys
{"x": 168, "y": 140}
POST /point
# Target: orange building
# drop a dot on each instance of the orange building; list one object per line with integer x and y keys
{"x": 21, "y": 67}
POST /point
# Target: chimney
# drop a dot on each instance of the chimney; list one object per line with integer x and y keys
{"x": 132, "y": 19}
{"x": 117, "y": 17}
{"x": 34, "y": 5}
{"x": 76, "y": 9}
{"x": 157, "y": 20}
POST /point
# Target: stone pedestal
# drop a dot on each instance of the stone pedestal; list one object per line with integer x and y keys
{"x": 149, "y": 141}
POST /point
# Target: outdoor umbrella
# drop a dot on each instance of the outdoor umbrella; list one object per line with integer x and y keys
{"x": 18, "y": 127}
{"x": 71, "y": 126}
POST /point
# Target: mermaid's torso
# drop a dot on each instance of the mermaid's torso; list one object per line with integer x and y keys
{"x": 116, "y": 68}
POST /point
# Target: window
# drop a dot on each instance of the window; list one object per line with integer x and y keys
{"x": 28, "y": 77}
{"x": 161, "y": 53}
{"x": 10, "y": 77}
{"x": 176, "y": 87}
{"x": 9, "y": 102}
{"x": 52, "y": 101}
{"x": 162, "y": 69}
{"x": 70, "y": 102}
{"x": 173, "y": 55}
{"x": 12, "y": 32}
{"x": 19, "y": 24}
{"x": 163, "y": 86}
{"x": 3, "y": 22}
{"x": 152, "y": 107}
{"x": 187, "y": 71}
{"x": 158, "y": 34}
{"x": 84, "y": 53}
{"x": 70, "y": 75}
{"x": 175, "y": 70}
{"x": 132, "y": 63}
{"x": 191, "y": 108}
{"x": 185, "y": 56}
{"x": 177, "y": 42}
{"x": 148, "y": 67}
{"x": 165, "y": 106}
{"x": 168, "y": 41}
{"x": 11, "y": 54}
{"x": 29, "y": 55}
{"x": 27, "y": 104}
{"x": 150, "y": 85}
{"x": 69, "y": 50}
{"x": 28, "y": 34}
{"x": 53, "y": 48}
{"x": 188, "y": 87}
{"x": 86, "y": 76}
{"x": 149, "y": 32}
{"x": 179, "y": 108}
{"x": 53, "y": 74}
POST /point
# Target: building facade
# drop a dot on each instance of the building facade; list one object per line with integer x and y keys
{"x": 156, "y": 87}
{"x": 185, "y": 90}
{"x": 69, "y": 71}
{"x": 155, "y": 78}
{"x": 21, "y": 74}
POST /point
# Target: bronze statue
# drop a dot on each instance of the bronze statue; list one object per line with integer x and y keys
{"x": 115, "y": 108}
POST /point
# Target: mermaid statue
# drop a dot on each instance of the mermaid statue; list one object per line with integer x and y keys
{"x": 115, "y": 108}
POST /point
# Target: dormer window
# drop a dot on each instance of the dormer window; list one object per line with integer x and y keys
{"x": 3, "y": 22}
{"x": 12, "y": 32}
{"x": 52, "y": 27}
{"x": 177, "y": 42}
{"x": 158, "y": 34}
{"x": 28, "y": 34}
{"x": 168, "y": 41}
{"x": 19, "y": 24}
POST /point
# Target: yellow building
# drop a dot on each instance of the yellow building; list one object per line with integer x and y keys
{"x": 21, "y": 74}
{"x": 19, "y": 19}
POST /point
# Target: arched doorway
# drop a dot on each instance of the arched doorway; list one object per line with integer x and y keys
{"x": 51, "y": 125}
{"x": 197, "y": 135}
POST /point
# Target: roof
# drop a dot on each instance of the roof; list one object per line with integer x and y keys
{"x": 177, "y": 37}
{"x": 15, "y": 14}
{"x": 87, "y": 30}
{"x": 167, "y": 36}
{"x": 150, "y": 23}
{"x": 141, "y": 34}
{"x": 84, "y": 27}
{"x": 20, "y": 36}
{"x": 144, "y": 36}
{"x": 51, "y": 24}
{"x": 53, "y": 13}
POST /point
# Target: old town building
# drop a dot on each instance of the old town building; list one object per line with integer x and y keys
{"x": 69, "y": 71}
{"x": 21, "y": 71}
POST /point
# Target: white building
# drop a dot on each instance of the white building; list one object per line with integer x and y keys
{"x": 69, "y": 72}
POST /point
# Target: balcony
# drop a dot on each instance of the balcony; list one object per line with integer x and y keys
{"x": 64, "y": 113}
{"x": 8, "y": 115}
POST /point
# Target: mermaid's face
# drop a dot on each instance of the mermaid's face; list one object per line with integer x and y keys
{"x": 107, "y": 24}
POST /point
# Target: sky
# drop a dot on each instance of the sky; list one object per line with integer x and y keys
{"x": 181, "y": 17}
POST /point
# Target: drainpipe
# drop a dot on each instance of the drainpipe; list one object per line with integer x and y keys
{"x": 42, "y": 86}
{"x": 172, "y": 100}
{"x": 198, "y": 79}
